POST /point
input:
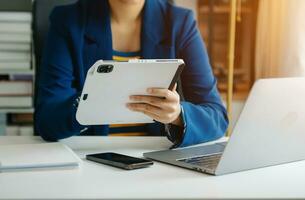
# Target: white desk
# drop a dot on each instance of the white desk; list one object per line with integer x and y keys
{"x": 160, "y": 181}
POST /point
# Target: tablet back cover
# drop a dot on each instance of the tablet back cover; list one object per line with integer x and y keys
{"x": 105, "y": 95}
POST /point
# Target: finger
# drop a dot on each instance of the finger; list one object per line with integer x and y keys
{"x": 161, "y": 92}
{"x": 149, "y": 114}
{"x": 146, "y": 98}
{"x": 163, "y": 104}
{"x": 143, "y": 107}
{"x": 175, "y": 87}
{"x": 155, "y": 101}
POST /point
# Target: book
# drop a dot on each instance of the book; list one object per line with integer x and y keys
{"x": 16, "y": 88}
{"x": 26, "y": 131}
{"x": 35, "y": 156}
{"x": 20, "y": 118}
{"x": 15, "y": 46}
{"x": 16, "y": 16}
{"x": 15, "y": 27}
{"x": 16, "y": 130}
{"x": 15, "y": 37}
{"x": 15, "y": 56}
{"x": 4, "y": 77}
{"x": 2, "y": 118}
{"x": 20, "y": 65}
{"x": 16, "y": 102}
{"x": 20, "y": 77}
{"x": 2, "y": 129}
{"x": 2, "y": 123}
{"x": 11, "y": 130}
{"x": 16, "y": 5}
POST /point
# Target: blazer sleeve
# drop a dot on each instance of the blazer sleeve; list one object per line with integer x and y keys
{"x": 204, "y": 115}
{"x": 56, "y": 96}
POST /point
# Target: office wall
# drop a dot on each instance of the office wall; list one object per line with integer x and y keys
{"x": 191, "y": 4}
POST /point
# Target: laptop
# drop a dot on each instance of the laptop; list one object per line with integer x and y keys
{"x": 270, "y": 131}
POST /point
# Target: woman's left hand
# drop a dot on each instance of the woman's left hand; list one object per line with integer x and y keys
{"x": 162, "y": 105}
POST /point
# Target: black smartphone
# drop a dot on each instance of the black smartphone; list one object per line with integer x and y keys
{"x": 119, "y": 160}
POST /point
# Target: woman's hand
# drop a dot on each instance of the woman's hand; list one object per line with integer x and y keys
{"x": 162, "y": 105}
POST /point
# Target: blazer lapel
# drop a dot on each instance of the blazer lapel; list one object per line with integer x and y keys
{"x": 98, "y": 39}
{"x": 155, "y": 35}
{"x": 155, "y": 38}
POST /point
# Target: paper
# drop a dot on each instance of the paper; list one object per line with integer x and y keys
{"x": 30, "y": 156}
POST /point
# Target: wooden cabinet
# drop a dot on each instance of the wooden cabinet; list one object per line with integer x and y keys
{"x": 213, "y": 21}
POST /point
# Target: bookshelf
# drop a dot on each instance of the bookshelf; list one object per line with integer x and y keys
{"x": 16, "y": 110}
{"x": 213, "y": 20}
{"x": 17, "y": 73}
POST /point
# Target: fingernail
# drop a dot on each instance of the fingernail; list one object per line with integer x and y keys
{"x": 129, "y": 106}
{"x": 131, "y": 97}
{"x": 149, "y": 90}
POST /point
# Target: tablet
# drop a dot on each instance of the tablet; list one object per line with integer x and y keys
{"x": 109, "y": 84}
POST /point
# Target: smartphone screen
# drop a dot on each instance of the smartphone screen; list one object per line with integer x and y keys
{"x": 119, "y": 160}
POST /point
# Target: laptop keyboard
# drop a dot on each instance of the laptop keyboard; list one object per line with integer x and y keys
{"x": 207, "y": 161}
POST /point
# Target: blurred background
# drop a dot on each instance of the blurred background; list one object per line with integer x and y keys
{"x": 269, "y": 42}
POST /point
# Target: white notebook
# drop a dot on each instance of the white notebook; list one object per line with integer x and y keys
{"x": 15, "y": 37}
{"x": 15, "y": 27}
{"x": 22, "y": 56}
{"x": 22, "y": 65}
{"x": 16, "y": 101}
{"x": 16, "y": 16}
{"x": 33, "y": 156}
{"x": 16, "y": 88}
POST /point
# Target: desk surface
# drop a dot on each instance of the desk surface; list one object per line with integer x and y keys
{"x": 160, "y": 181}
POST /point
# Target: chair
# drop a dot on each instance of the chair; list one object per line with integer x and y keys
{"x": 41, "y": 12}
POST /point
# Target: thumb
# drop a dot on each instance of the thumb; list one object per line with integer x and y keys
{"x": 175, "y": 87}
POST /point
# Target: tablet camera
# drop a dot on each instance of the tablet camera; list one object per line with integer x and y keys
{"x": 105, "y": 68}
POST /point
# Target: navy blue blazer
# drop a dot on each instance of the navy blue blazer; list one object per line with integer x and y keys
{"x": 80, "y": 34}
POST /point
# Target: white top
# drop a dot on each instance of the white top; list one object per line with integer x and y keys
{"x": 160, "y": 181}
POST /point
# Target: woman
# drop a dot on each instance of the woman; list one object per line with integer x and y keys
{"x": 91, "y": 30}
